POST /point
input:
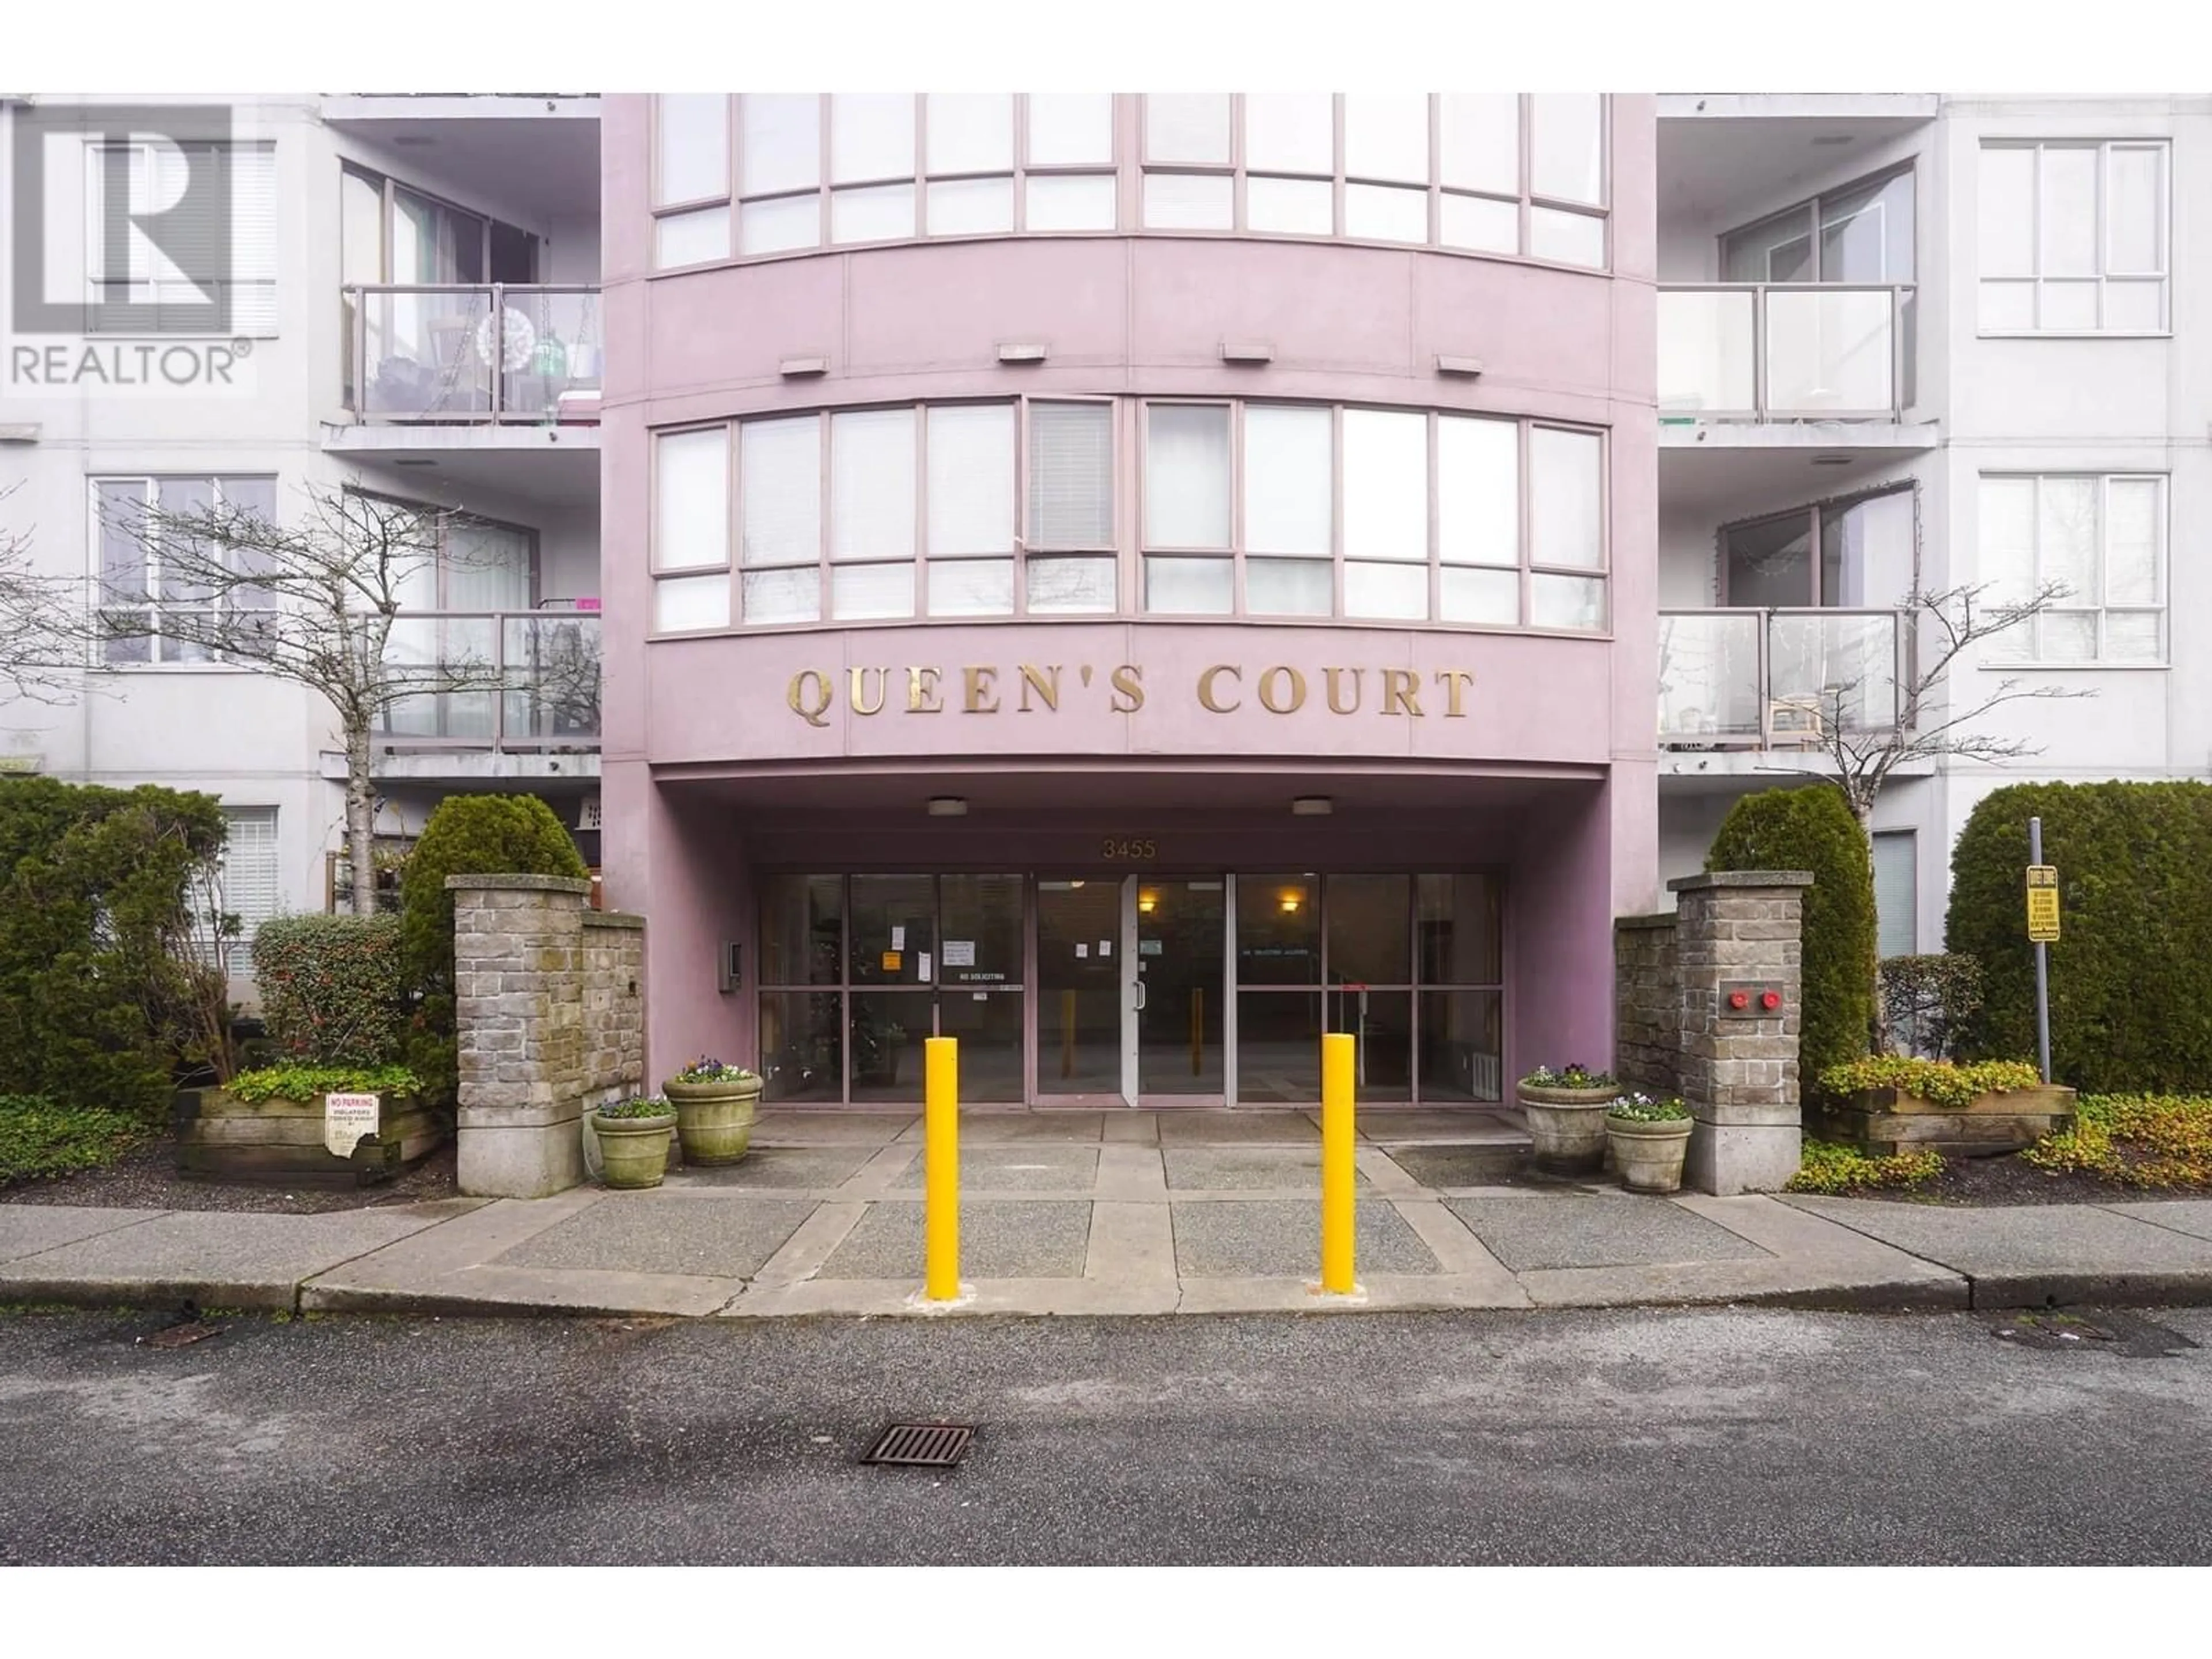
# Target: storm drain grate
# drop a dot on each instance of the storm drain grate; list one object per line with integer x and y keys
{"x": 922, "y": 1445}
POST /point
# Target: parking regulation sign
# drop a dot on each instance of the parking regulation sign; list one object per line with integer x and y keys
{"x": 2042, "y": 903}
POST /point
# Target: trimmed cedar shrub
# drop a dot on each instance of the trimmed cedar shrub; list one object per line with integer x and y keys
{"x": 2131, "y": 971}
{"x": 466, "y": 835}
{"x": 97, "y": 980}
{"x": 333, "y": 992}
{"x": 1812, "y": 829}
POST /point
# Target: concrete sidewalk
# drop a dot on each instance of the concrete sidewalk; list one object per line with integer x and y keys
{"x": 1095, "y": 1212}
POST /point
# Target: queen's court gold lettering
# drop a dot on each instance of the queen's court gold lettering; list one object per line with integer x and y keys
{"x": 1046, "y": 689}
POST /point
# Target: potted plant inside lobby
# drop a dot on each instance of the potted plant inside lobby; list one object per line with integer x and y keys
{"x": 1565, "y": 1107}
{"x": 634, "y": 1136}
{"x": 1648, "y": 1135}
{"x": 715, "y": 1107}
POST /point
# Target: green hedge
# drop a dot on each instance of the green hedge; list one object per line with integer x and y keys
{"x": 466, "y": 835}
{"x": 2131, "y": 971}
{"x": 332, "y": 990}
{"x": 1812, "y": 829}
{"x": 97, "y": 982}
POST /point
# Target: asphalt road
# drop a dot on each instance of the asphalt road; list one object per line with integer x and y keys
{"x": 1674, "y": 1436}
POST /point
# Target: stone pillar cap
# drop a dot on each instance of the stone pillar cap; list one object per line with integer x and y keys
{"x": 518, "y": 884}
{"x": 1740, "y": 878}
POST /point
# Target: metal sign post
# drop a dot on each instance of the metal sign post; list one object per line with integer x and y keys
{"x": 2042, "y": 928}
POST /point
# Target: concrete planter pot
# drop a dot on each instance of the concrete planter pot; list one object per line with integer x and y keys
{"x": 1648, "y": 1155}
{"x": 715, "y": 1121}
{"x": 1566, "y": 1126}
{"x": 633, "y": 1150}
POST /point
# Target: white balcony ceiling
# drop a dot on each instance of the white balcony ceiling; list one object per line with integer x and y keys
{"x": 1740, "y": 166}
{"x": 543, "y": 166}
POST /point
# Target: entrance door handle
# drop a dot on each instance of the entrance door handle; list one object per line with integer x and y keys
{"x": 1140, "y": 997}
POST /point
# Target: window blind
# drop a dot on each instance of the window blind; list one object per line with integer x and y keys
{"x": 251, "y": 888}
{"x": 1896, "y": 894}
{"x": 1070, "y": 475}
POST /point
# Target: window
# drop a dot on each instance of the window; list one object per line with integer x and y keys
{"x": 1896, "y": 894}
{"x": 249, "y": 886}
{"x": 1510, "y": 174}
{"x": 1862, "y": 232}
{"x": 168, "y": 623}
{"x": 132, "y": 283}
{"x": 2102, "y": 539}
{"x": 1853, "y": 552}
{"x": 2073, "y": 237}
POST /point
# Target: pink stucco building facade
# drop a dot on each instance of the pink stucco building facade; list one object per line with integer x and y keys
{"x": 1131, "y": 583}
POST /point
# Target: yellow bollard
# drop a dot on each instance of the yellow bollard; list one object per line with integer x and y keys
{"x": 941, "y": 1170}
{"x": 1337, "y": 1200}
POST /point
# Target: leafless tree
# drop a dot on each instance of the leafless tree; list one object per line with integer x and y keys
{"x": 312, "y": 598}
{"x": 1861, "y": 748}
{"x": 41, "y": 654}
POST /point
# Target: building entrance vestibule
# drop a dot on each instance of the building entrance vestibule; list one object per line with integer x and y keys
{"x": 1116, "y": 989}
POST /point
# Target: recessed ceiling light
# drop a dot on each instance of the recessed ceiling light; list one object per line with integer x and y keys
{"x": 948, "y": 806}
{"x": 417, "y": 141}
{"x": 1312, "y": 806}
{"x": 1832, "y": 460}
{"x": 411, "y": 460}
{"x": 1823, "y": 139}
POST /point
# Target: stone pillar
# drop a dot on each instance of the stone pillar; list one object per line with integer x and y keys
{"x": 1739, "y": 928}
{"x": 548, "y": 1013}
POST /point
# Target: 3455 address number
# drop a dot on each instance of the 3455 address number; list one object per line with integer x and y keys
{"x": 1127, "y": 849}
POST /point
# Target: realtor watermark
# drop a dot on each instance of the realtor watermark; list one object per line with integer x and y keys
{"x": 125, "y": 278}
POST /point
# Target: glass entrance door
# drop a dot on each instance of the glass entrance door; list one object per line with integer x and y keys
{"x": 1081, "y": 991}
{"x": 1176, "y": 980}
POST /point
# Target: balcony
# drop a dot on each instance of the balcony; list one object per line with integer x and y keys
{"x": 538, "y": 674}
{"x": 1749, "y": 351}
{"x": 483, "y": 355}
{"x": 1773, "y": 679}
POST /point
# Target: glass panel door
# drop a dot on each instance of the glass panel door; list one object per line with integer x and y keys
{"x": 1080, "y": 991}
{"x": 1178, "y": 984}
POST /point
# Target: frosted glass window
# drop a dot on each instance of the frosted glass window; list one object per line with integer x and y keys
{"x": 1289, "y": 587}
{"x": 871, "y": 476}
{"x": 780, "y": 135}
{"x": 2066, "y": 535}
{"x": 970, "y": 132}
{"x": 694, "y": 146}
{"x": 1569, "y": 602}
{"x": 1189, "y": 201}
{"x": 1290, "y": 207}
{"x": 2134, "y": 220}
{"x": 780, "y": 482}
{"x": 1192, "y": 587}
{"x": 2131, "y": 542}
{"x": 863, "y": 592}
{"x": 2068, "y": 305}
{"x": 870, "y": 135}
{"x": 1071, "y": 129}
{"x": 972, "y": 479}
{"x": 1386, "y": 486}
{"x": 1477, "y": 222}
{"x": 783, "y": 596}
{"x": 1289, "y": 132}
{"x": 1288, "y": 480}
{"x": 2138, "y": 308}
{"x": 689, "y": 603}
{"x": 691, "y": 239}
{"x": 691, "y": 500}
{"x": 1186, "y": 475}
{"x": 1071, "y": 586}
{"x": 1478, "y": 491}
{"x": 2134, "y": 636}
{"x": 1479, "y": 141}
{"x": 972, "y": 588}
{"x": 1186, "y": 126}
{"x": 1082, "y": 201}
{"x": 1386, "y": 136}
{"x": 1570, "y": 239}
{"x": 1384, "y": 213}
{"x": 880, "y": 213}
{"x": 1071, "y": 472}
{"x": 1389, "y": 592}
{"x": 1566, "y": 134}
{"x": 1479, "y": 596}
{"x": 1566, "y": 498}
{"x": 2069, "y": 211}
{"x": 775, "y": 226}
{"x": 2102, "y": 540}
{"x": 2006, "y": 210}
{"x": 971, "y": 207}
{"x": 2007, "y": 304}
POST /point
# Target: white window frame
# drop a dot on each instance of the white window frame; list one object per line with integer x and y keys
{"x": 96, "y": 300}
{"x": 2105, "y": 275}
{"x": 2078, "y": 604}
{"x": 149, "y": 484}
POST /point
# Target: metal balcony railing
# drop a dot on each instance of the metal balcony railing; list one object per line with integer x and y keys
{"x": 1752, "y": 351}
{"x": 532, "y": 680}
{"x": 1777, "y": 680}
{"x": 485, "y": 353}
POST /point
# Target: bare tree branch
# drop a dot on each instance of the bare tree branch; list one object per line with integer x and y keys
{"x": 41, "y": 652}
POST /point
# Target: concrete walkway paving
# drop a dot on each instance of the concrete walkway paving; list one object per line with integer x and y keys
{"x": 1098, "y": 1212}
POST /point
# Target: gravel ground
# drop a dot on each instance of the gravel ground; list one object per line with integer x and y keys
{"x": 2009, "y": 1178}
{"x": 146, "y": 1178}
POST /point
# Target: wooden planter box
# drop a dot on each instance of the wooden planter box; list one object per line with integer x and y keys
{"x": 223, "y": 1137}
{"x": 1883, "y": 1121}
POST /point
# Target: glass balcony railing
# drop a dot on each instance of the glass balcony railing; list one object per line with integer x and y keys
{"x": 482, "y": 353}
{"x": 1777, "y": 679}
{"x": 1751, "y": 352}
{"x": 520, "y": 680}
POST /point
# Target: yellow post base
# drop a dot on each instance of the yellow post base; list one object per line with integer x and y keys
{"x": 941, "y": 1170}
{"x": 1337, "y": 1200}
